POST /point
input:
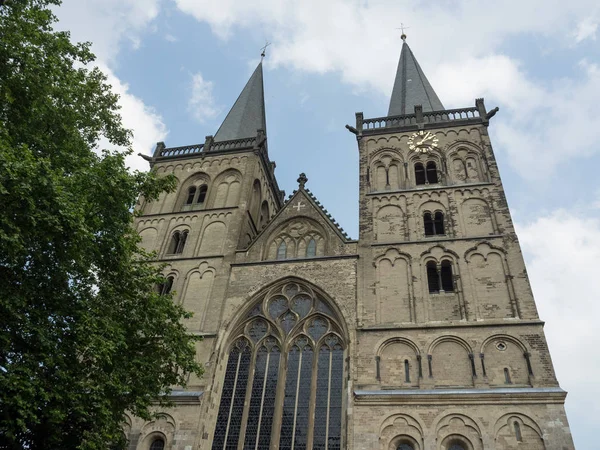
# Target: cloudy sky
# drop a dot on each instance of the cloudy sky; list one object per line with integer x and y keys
{"x": 180, "y": 64}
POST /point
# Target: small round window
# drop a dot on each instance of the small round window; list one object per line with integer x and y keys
{"x": 501, "y": 346}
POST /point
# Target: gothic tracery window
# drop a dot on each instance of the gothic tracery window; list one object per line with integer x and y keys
{"x": 288, "y": 352}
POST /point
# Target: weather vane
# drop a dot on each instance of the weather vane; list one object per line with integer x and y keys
{"x": 402, "y": 28}
{"x": 263, "y": 52}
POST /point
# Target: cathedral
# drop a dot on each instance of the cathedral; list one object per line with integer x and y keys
{"x": 422, "y": 334}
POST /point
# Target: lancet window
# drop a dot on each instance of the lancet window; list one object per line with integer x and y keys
{"x": 284, "y": 375}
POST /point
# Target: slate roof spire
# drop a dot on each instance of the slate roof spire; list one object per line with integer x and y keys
{"x": 411, "y": 86}
{"x": 248, "y": 112}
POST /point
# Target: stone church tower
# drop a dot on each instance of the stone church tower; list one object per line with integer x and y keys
{"x": 423, "y": 334}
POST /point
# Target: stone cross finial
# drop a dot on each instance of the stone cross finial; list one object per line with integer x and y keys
{"x": 302, "y": 180}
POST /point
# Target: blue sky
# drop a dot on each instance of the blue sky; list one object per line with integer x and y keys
{"x": 180, "y": 64}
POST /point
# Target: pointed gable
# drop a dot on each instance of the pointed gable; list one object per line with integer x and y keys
{"x": 301, "y": 229}
{"x": 411, "y": 86}
{"x": 248, "y": 112}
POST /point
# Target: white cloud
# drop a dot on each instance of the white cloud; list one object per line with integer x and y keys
{"x": 147, "y": 125}
{"x": 170, "y": 38}
{"x": 562, "y": 251}
{"x": 110, "y": 24}
{"x": 458, "y": 50}
{"x": 586, "y": 29}
{"x": 201, "y": 103}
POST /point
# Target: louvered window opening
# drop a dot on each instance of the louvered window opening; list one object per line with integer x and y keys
{"x": 263, "y": 402}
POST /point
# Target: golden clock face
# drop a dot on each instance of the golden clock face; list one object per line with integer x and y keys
{"x": 422, "y": 141}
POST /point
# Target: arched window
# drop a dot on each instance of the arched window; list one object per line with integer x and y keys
{"x": 282, "y": 250}
{"x": 405, "y": 446}
{"x": 433, "y": 279}
{"x": 291, "y": 316}
{"x": 518, "y": 431}
{"x": 439, "y": 223}
{"x": 434, "y": 226}
{"x": 446, "y": 276}
{"x": 428, "y": 222}
{"x": 191, "y": 195}
{"x": 432, "y": 176}
{"x": 440, "y": 280}
{"x": 457, "y": 445}
{"x": 165, "y": 288}
{"x": 420, "y": 174}
{"x": 196, "y": 195}
{"x": 157, "y": 444}
{"x": 264, "y": 215}
{"x": 406, "y": 371}
{"x": 311, "y": 249}
{"x": 177, "y": 242}
{"x": 507, "y": 379}
{"x": 174, "y": 244}
{"x": 202, "y": 194}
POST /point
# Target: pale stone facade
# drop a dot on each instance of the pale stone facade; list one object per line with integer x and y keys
{"x": 454, "y": 362}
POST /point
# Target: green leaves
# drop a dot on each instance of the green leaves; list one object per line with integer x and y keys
{"x": 83, "y": 335}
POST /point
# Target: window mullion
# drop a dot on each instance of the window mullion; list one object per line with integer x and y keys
{"x": 296, "y": 400}
{"x": 328, "y": 401}
{"x": 237, "y": 371}
{"x": 262, "y": 400}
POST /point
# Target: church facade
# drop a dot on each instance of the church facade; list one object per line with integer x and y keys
{"x": 423, "y": 334}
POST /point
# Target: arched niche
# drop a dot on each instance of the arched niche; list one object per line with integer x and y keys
{"x": 226, "y": 191}
{"x": 197, "y": 295}
{"x": 451, "y": 362}
{"x": 399, "y": 364}
{"x": 504, "y": 360}
{"x": 393, "y": 288}
{"x": 401, "y": 429}
{"x": 455, "y": 429}
{"x": 390, "y": 224}
{"x": 517, "y": 431}
{"x": 213, "y": 236}
{"x": 489, "y": 275}
{"x": 476, "y": 217}
{"x": 149, "y": 236}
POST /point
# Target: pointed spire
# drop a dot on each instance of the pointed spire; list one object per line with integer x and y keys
{"x": 248, "y": 112}
{"x": 411, "y": 86}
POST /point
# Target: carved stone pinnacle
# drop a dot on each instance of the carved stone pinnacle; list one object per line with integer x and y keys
{"x": 302, "y": 180}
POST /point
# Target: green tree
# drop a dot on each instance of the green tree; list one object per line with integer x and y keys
{"x": 84, "y": 337}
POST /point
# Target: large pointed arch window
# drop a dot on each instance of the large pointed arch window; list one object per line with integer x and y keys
{"x": 284, "y": 377}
